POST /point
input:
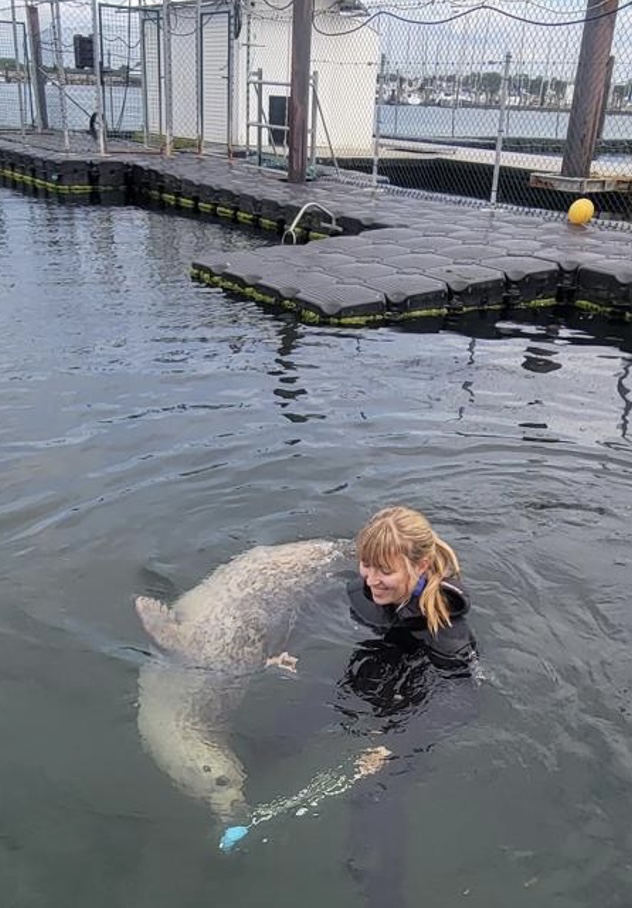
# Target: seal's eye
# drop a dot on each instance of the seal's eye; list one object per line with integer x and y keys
{"x": 221, "y": 781}
{"x": 206, "y": 768}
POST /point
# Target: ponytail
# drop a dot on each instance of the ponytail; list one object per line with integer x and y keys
{"x": 443, "y": 564}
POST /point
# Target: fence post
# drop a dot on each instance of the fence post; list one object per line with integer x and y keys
{"x": 143, "y": 69}
{"x": 502, "y": 114}
{"x": 37, "y": 74}
{"x": 314, "y": 124}
{"x": 199, "y": 76}
{"x": 248, "y": 83}
{"x": 259, "y": 76}
{"x": 233, "y": 34}
{"x": 376, "y": 134}
{"x": 167, "y": 61}
{"x": 18, "y": 69}
{"x": 96, "y": 69}
{"x": 61, "y": 72}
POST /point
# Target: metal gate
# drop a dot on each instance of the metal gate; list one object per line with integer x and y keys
{"x": 187, "y": 76}
{"x": 16, "y": 103}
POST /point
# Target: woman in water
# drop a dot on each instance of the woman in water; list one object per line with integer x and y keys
{"x": 409, "y": 593}
{"x": 409, "y": 589}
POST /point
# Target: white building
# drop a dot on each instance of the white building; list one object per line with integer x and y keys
{"x": 238, "y": 40}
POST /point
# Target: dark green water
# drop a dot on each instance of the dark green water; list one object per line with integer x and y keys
{"x": 152, "y": 428}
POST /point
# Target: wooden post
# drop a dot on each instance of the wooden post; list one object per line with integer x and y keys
{"x": 590, "y": 81}
{"x": 299, "y": 90}
{"x": 35, "y": 65}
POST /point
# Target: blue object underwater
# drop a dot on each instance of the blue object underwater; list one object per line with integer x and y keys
{"x": 232, "y": 835}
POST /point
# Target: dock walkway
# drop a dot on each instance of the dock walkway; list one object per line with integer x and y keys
{"x": 399, "y": 257}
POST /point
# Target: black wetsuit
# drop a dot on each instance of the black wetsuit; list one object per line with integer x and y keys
{"x": 407, "y": 628}
{"x": 395, "y": 673}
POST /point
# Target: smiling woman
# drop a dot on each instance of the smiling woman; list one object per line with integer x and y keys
{"x": 409, "y": 587}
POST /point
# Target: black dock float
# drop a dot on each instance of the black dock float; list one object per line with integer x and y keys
{"x": 398, "y": 257}
{"x": 398, "y": 273}
{"x": 606, "y": 286}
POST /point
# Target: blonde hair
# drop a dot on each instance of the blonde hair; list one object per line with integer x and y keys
{"x": 397, "y": 534}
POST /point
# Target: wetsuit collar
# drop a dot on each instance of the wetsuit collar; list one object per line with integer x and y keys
{"x": 416, "y": 593}
{"x": 419, "y": 587}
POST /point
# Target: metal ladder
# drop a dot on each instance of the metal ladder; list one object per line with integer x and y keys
{"x": 332, "y": 226}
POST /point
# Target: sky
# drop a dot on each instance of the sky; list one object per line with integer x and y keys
{"x": 477, "y": 41}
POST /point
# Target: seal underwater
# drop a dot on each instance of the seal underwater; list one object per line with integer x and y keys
{"x": 214, "y": 638}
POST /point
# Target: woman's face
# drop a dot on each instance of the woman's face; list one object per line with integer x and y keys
{"x": 390, "y": 587}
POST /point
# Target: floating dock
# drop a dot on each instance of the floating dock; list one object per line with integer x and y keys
{"x": 396, "y": 257}
{"x": 437, "y": 259}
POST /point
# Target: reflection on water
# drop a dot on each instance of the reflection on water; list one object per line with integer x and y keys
{"x": 625, "y": 392}
{"x": 151, "y": 429}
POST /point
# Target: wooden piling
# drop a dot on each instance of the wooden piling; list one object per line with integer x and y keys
{"x": 590, "y": 84}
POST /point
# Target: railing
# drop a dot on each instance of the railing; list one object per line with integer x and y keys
{"x": 268, "y": 154}
{"x": 263, "y": 125}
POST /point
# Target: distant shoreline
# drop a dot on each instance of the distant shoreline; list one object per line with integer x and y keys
{"x": 530, "y": 108}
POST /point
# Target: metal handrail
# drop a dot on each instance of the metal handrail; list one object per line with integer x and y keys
{"x": 333, "y": 225}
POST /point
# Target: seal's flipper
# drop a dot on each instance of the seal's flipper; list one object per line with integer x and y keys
{"x": 159, "y": 622}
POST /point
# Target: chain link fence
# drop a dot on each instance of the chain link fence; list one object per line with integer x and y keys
{"x": 69, "y": 67}
{"x": 14, "y": 97}
{"x": 460, "y": 82}
{"x": 441, "y": 96}
{"x": 344, "y": 66}
{"x": 73, "y": 63}
{"x": 122, "y": 82}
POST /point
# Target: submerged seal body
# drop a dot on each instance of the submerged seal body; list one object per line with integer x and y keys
{"x": 214, "y": 638}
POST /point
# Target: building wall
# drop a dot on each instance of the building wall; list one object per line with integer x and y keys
{"x": 150, "y": 38}
{"x": 183, "y": 70}
{"x": 215, "y": 54}
{"x": 217, "y": 68}
{"x": 347, "y": 67}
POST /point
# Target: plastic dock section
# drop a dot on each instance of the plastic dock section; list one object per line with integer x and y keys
{"x": 440, "y": 259}
{"x": 394, "y": 257}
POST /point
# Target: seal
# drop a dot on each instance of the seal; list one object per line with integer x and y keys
{"x": 212, "y": 640}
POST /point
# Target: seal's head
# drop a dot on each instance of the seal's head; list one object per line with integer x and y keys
{"x": 215, "y": 773}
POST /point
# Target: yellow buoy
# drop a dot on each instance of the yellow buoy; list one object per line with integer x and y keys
{"x": 581, "y": 211}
